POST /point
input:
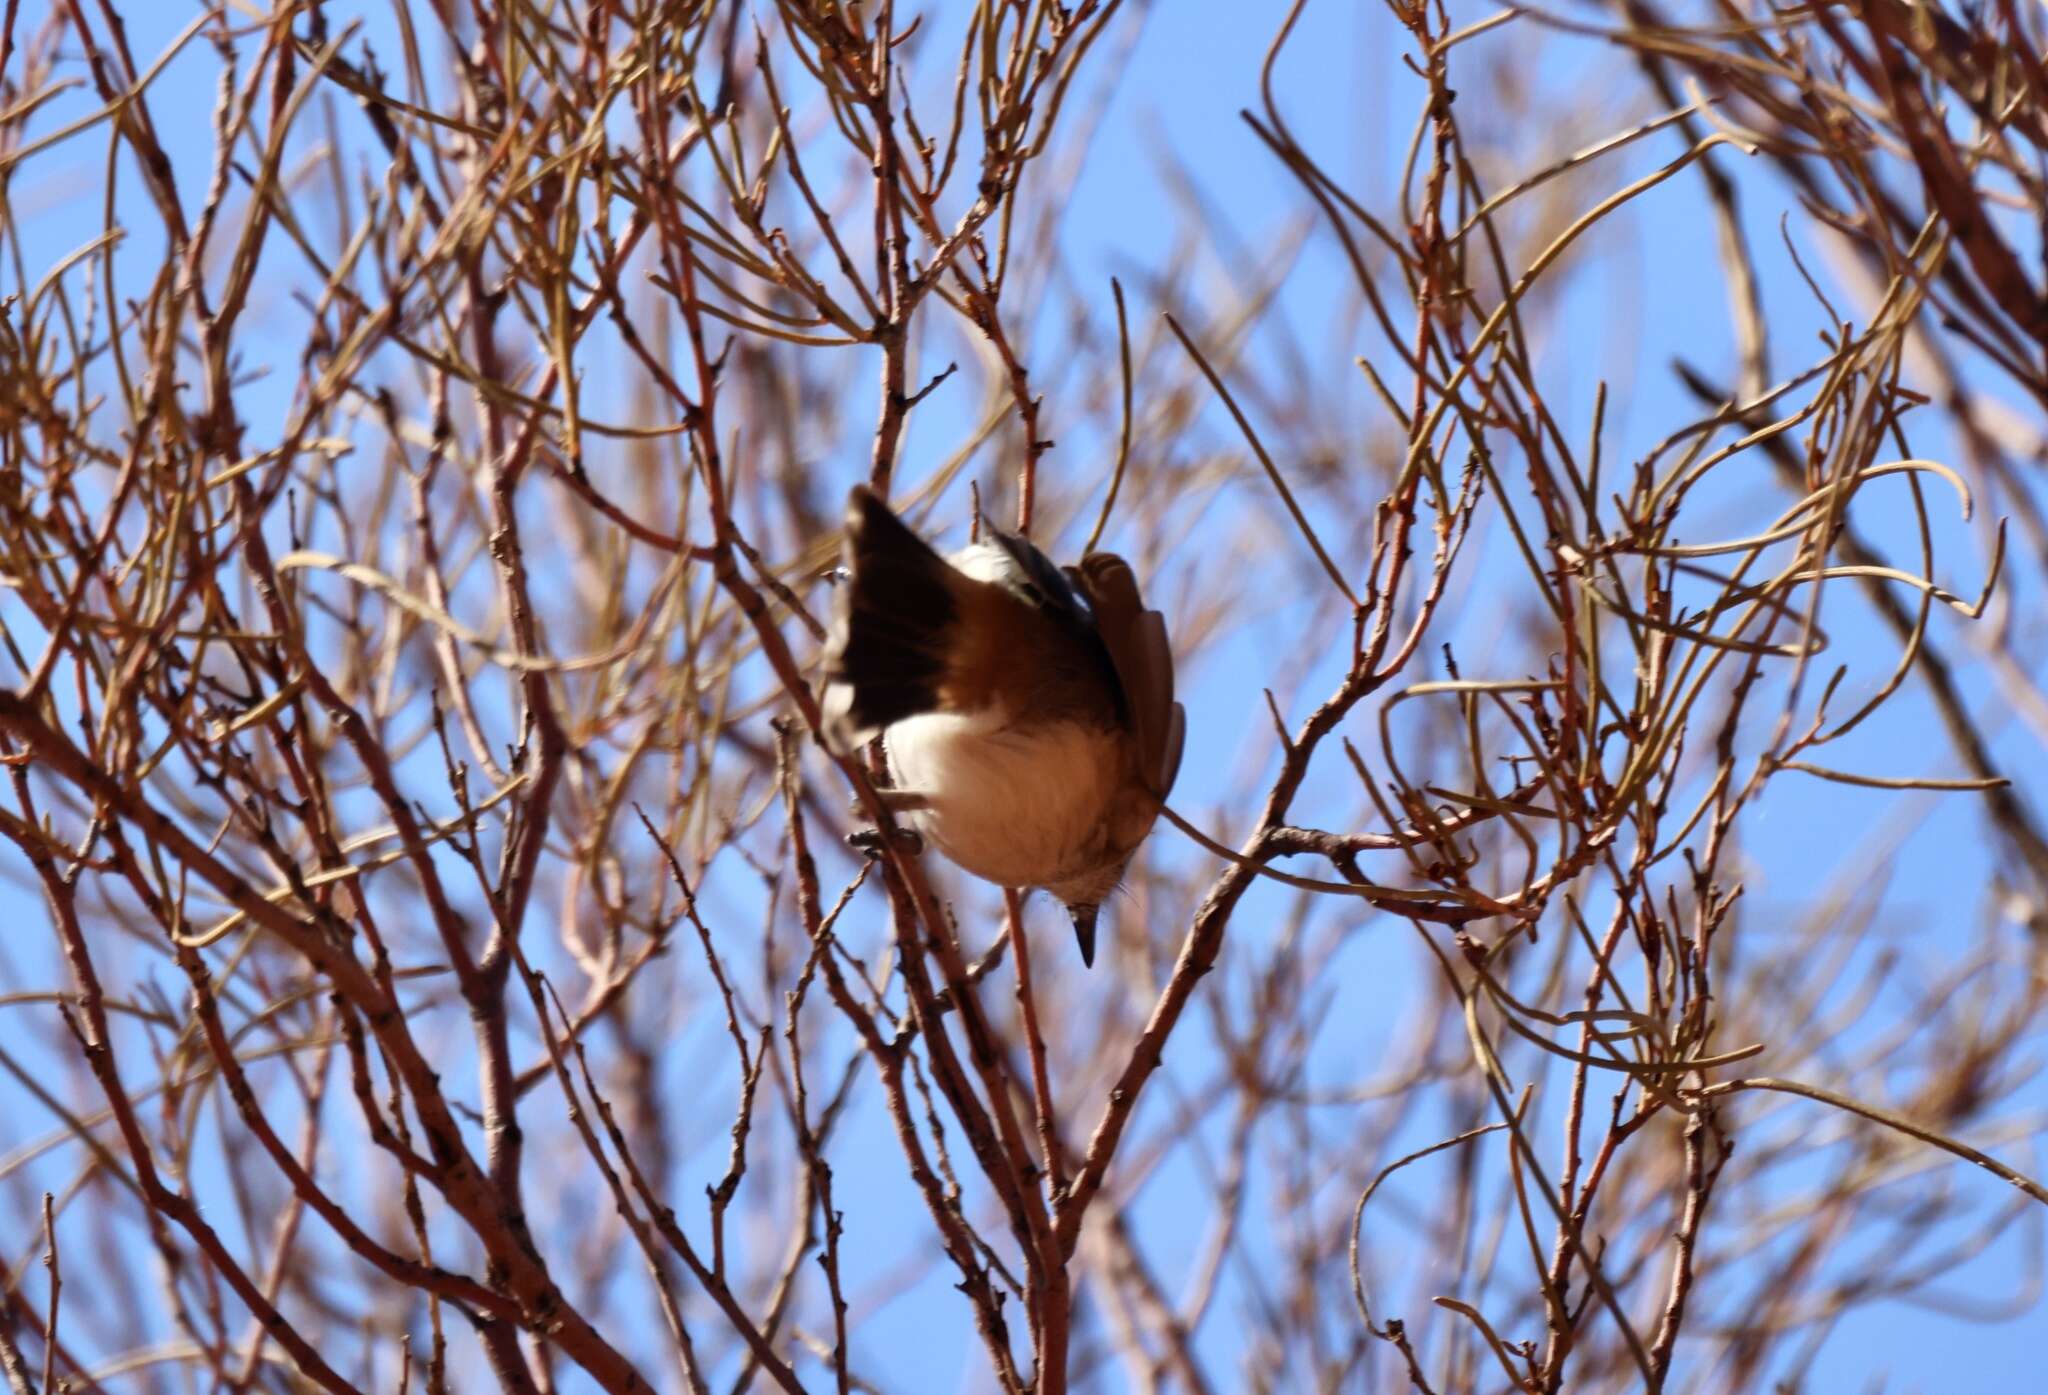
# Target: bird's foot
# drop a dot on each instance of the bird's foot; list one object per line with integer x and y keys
{"x": 868, "y": 842}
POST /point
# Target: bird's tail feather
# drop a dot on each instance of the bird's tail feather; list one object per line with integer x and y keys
{"x": 885, "y": 658}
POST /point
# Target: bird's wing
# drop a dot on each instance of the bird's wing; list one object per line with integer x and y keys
{"x": 894, "y": 625}
{"x": 1136, "y": 640}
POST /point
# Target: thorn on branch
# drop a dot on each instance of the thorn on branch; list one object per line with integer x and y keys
{"x": 906, "y": 403}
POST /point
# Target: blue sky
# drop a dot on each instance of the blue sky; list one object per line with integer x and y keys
{"x": 1644, "y": 290}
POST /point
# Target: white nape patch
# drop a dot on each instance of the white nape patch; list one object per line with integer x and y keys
{"x": 1018, "y": 808}
{"x": 987, "y": 562}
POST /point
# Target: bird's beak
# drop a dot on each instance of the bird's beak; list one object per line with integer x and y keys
{"x": 1084, "y": 931}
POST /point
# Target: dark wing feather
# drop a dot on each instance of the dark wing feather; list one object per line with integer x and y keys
{"x": 892, "y": 626}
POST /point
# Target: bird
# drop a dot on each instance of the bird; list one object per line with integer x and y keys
{"x": 1027, "y": 710}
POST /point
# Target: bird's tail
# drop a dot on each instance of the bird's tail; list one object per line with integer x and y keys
{"x": 885, "y": 658}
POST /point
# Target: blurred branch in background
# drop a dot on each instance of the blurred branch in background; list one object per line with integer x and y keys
{"x": 420, "y": 483}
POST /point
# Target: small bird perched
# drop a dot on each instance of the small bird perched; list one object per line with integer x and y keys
{"x": 1027, "y": 710}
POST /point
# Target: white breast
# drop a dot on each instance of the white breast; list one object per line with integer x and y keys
{"x": 1019, "y": 809}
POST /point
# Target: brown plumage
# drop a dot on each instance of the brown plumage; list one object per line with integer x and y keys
{"x": 1028, "y": 710}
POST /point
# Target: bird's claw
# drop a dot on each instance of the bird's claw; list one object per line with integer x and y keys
{"x": 868, "y": 842}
